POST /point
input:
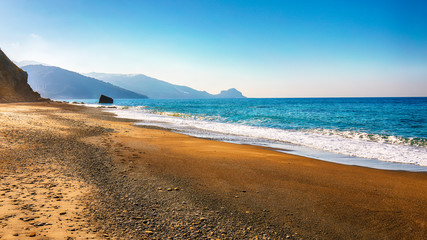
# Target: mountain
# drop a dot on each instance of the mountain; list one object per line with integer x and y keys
{"x": 24, "y": 63}
{"x": 155, "y": 88}
{"x": 58, "y": 83}
{"x": 230, "y": 93}
{"x": 13, "y": 83}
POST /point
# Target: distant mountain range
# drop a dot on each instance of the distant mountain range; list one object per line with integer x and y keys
{"x": 28, "y": 62}
{"x": 58, "y": 83}
{"x": 159, "y": 89}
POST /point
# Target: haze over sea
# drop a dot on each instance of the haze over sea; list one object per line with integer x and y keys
{"x": 385, "y": 133}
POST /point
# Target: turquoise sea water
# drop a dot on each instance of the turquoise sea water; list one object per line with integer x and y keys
{"x": 373, "y": 130}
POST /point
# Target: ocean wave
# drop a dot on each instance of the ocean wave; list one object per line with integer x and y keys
{"x": 381, "y": 138}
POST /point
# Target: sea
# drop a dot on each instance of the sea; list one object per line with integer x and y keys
{"x": 382, "y": 133}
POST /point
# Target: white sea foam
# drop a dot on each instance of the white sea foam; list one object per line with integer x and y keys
{"x": 390, "y": 149}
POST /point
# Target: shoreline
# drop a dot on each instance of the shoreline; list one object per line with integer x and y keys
{"x": 287, "y": 148}
{"x": 158, "y": 184}
{"x": 320, "y": 156}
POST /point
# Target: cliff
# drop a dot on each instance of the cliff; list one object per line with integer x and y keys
{"x": 13, "y": 83}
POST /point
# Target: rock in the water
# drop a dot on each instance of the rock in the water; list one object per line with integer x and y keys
{"x": 105, "y": 99}
{"x": 13, "y": 83}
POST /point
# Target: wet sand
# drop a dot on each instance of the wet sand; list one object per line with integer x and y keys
{"x": 117, "y": 180}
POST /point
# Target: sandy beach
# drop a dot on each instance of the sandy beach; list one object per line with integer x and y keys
{"x": 72, "y": 172}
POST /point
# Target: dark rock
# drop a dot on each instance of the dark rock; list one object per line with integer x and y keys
{"x": 13, "y": 83}
{"x": 105, "y": 99}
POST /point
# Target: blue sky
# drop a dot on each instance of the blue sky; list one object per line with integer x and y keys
{"x": 263, "y": 48}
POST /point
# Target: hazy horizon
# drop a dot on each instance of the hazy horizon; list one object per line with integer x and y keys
{"x": 262, "y": 48}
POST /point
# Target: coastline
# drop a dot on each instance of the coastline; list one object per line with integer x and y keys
{"x": 152, "y": 183}
{"x": 345, "y": 141}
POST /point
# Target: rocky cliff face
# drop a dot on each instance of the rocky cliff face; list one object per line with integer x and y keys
{"x": 13, "y": 83}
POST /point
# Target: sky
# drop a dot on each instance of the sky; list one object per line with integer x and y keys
{"x": 263, "y": 48}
